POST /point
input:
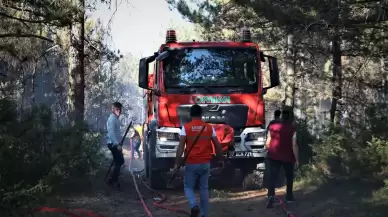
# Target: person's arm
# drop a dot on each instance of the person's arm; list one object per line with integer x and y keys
{"x": 111, "y": 127}
{"x": 133, "y": 133}
{"x": 295, "y": 149}
{"x": 268, "y": 141}
{"x": 267, "y": 129}
{"x": 140, "y": 135}
{"x": 217, "y": 145}
{"x": 181, "y": 148}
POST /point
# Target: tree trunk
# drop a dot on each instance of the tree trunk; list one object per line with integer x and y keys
{"x": 76, "y": 96}
{"x": 290, "y": 69}
{"x": 33, "y": 78}
{"x": 384, "y": 73}
{"x": 289, "y": 98}
{"x": 335, "y": 113}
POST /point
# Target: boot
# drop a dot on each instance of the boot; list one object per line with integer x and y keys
{"x": 110, "y": 182}
{"x": 270, "y": 202}
{"x": 194, "y": 211}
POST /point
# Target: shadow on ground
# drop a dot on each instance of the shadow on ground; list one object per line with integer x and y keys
{"x": 340, "y": 197}
{"x": 334, "y": 198}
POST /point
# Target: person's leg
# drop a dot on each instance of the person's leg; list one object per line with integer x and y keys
{"x": 190, "y": 178}
{"x": 289, "y": 170}
{"x": 204, "y": 172}
{"x": 119, "y": 161}
{"x": 273, "y": 173}
{"x": 132, "y": 149}
{"x": 111, "y": 149}
{"x": 137, "y": 146}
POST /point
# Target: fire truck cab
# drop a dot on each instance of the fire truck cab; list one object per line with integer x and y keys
{"x": 225, "y": 78}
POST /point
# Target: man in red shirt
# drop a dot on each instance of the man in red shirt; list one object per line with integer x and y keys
{"x": 282, "y": 151}
{"x": 198, "y": 160}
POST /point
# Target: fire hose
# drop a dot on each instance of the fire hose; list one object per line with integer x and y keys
{"x": 284, "y": 207}
{"x": 162, "y": 196}
{"x": 68, "y": 212}
{"x": 157, "y": 203}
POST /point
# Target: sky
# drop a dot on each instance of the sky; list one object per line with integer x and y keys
{"x": 139, "y": 26}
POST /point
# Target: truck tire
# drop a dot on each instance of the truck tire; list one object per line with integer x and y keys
{"x": 155, "y": 176}
{"x": 253, "y": 180}
{"x": 146, "y": 159}
{"x": 156, "y": 179}
{"x": 145, "y": 151}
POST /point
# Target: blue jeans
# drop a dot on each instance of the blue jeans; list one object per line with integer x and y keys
{"x": 135, "y": 146}
{"x": 192, "y": 173}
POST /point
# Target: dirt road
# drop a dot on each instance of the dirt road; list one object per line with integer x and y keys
{"x": 341, "y": 198}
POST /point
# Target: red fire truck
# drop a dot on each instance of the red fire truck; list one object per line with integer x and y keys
{"x": 225, "y": 78}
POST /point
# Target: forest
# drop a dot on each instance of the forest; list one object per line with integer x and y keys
{"x": 58, "y": 77}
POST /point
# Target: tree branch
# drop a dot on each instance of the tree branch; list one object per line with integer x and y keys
{"x": 25, "y": 10}
{"x": 22, "y": 20}
{"x": 25, "y": 35}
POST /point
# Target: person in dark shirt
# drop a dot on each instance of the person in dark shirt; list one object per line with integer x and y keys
{"x": 282, "y": 151}
{"x": 136, "y": 141}
{"x": 276, "y": 115}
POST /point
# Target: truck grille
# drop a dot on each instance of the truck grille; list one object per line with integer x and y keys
{"x": 235, "y": 115}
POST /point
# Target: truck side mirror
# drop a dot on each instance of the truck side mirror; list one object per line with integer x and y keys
{"x": 274, "y": 71}
{"x": 143, "y": 73}
{"x": 262, "y": 56}
{"x": 163, "y": 55}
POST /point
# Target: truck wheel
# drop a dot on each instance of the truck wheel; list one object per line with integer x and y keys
{"x": 253, "y": 180}
{"x": 155, "y": 177}
{"x": 156, "y": 180}
{"x": 146, "y": 153}
{"x": 146, "y": 160}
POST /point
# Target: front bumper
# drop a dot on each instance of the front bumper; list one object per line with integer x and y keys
{"x": 166, "y": 148}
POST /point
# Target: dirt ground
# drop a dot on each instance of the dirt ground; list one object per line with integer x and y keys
{"x": 336, "y": 198}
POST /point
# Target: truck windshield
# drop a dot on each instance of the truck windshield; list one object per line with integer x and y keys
{"x": 212, "y": 67}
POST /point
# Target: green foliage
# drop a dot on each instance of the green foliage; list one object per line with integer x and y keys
{"x": 357, "y": 151}
{"x": 304, "y": 141}
{"x": 34, "y": 158}
{"x": 343, "y": 153}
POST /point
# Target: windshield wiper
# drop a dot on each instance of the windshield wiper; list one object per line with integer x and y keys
{"x": 207, "y": 88}
{"x": 237, "y": 90}
{"x": 188, "y": 91}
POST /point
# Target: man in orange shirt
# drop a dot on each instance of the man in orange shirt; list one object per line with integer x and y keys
{"x": 197, "y": 165}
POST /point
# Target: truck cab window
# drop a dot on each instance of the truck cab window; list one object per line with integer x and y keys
{"x": 212, "y": 66}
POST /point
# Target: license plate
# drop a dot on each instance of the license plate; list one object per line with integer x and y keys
{"x": 242, "y": 154}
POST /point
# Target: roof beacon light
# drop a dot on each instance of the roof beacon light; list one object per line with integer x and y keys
{"x": 170, "y": 36}
{"x": 246, "y": 35}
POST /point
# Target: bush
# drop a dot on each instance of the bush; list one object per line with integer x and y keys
{"x": 304, "y": 141}
{"x": 359, "y": 150}
{"x": 340, "y": 154}
{"x": 35, "y": 158}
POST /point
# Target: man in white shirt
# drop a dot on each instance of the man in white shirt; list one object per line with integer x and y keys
{"x": 114, "y": 144}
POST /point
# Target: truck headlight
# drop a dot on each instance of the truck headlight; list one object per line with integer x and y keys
{"x": 255, "y": 136}
{"x": 167, "y": 136}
